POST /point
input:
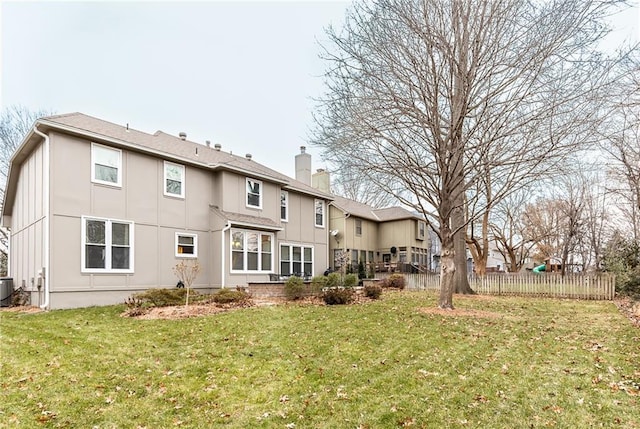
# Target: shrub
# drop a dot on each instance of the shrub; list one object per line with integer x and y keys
{"x": 160, "y": 297}
{"x": 350, "y": 280}
{"x": 227, "y": 296}
{"x": 135, "y": 306}
{"x": 317, "y": 284}
{"x": 337, "y": 296}
{"x": 362, "y": 272}
{"x": 396, "y": 281}
{"x": 333, "y": 280}
{"x": 373, "y": 291}
{"x": 294, "y": 288}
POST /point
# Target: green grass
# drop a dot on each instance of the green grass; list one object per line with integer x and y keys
{"x": 537, "y": 363}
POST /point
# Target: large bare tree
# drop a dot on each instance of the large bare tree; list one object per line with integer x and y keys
{"x": 621, "y": 140}
{"x": 433, "y": 94}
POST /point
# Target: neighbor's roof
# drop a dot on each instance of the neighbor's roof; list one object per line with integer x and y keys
{"x": 160, "y": 144}
{"x": 365, "y": 211}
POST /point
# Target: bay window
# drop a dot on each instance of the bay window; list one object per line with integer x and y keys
{"x": 251, "y": 251}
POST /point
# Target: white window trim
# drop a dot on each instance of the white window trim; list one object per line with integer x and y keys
{"x": 108, "y": 222}
{"x": 245, "y": 252}
{"x": 195, "y": 245}
{"x": 286, "y": 206}
{"x": 246, "y": 194}
{"x": 324, "y": 214}
{"x": 118, "y": 184}
{"x": 302, "y": 247}
{"x": 182, "y": 180}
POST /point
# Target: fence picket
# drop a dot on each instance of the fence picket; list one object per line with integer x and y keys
{"x": 579, "y": 286}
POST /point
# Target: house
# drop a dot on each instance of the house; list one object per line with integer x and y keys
{"x": 98, "y": 211}
{"x": 387, "y": 239}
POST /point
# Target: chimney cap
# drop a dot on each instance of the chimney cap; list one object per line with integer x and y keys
{"x": 182, "y": 135}
{"x": 303, "y": 149}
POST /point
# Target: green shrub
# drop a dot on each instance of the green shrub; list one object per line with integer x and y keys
{"x": 161, "y": 297}
{"x": 294, "y": 288}
{"x": 395, "y": 281}
{"x": 317, "y": 284}
{"x": 333, "y": 280}
{"x": 350, "y": 280}
{"x": 373, "y": 291}
{"x": 337, "y": 296}
{"x": 227, "y": 296}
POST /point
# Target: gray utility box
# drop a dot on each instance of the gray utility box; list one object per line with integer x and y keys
{"x": 6, "y": 291}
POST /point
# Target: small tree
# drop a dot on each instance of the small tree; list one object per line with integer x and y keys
{"x": 187, "y": 273}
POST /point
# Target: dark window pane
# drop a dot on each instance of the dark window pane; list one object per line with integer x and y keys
{"x": 174, "y": 187}
{"x": 120, "y": 258}
{"x": 95, "y": 232}
{"x": 120, "y": 234}
{"x": 252, "y": 261}
{"x": 266, "y": 262}
{"x": 285, "y": 268}
{"x": 253, "y": 200}
{"x": 308, "y": 269}
{"x": 94, "y": 256}
{"x": 237, "y": 261}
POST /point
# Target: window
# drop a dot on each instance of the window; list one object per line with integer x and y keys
{"x": 186, "y": 245}
{"x": 296, "y": 260}
{"x": 251, "y": 250}
{"x": 107, "y": 245}
{"x": 358, "y": 226}
{"x": 319, "y": 210}
{"x": 254, "y": 193}
{"x": 421, "y": 230}
{"x": 106, "y": 165}
{"x": 173, "y": 179}
{"x": 284, "y": 205}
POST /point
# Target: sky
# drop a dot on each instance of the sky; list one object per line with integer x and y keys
{"x": 241, "y": 74}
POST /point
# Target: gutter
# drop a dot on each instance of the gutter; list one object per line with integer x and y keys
{"x": 46, "y": 273}
{"x": 222, "y": 258}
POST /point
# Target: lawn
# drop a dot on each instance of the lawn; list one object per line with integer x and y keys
{"x": 508, "y": 363}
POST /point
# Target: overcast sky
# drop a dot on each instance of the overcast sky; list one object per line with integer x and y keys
{"x": 242, "y": 74}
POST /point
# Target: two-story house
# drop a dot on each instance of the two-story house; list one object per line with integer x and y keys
{"x": 385, "y": 239}
{"x": 98, "y": 211}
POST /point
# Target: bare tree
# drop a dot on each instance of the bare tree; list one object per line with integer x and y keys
{"x": 621, "y": 140}
{"x": 508, "y": 232}
{"x": 347, "y": 183}
{"x": 433, "y": 94}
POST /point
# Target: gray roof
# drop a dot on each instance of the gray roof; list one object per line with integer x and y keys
{"x": 239, "y": 219}
{"x": 365, "y": 211}
{"x": 164, "y": 144}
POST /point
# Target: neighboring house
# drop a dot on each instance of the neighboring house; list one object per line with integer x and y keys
{"x": 98, "y": 211}
{"x": 383, "y": 239}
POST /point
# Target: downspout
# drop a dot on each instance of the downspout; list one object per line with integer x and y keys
{"x": 222, "y": 258}
{"x": 46, "y": 272}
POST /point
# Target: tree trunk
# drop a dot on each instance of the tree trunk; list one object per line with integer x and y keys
{"x": 447, "y": 274}
{"x": 461, "y": 281}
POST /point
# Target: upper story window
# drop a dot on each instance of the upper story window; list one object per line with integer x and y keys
{"x": 319, "y": 212}
{"x": 421, "y": 232}
{"x": 107, "y": 245}
{"x": 186, "y": 245}
{"x": 173, "y": 179}
{"x": 254, "y": 193}
{"x": 106, "y": 165}
{"x": 358, "y": 226}
{"x": 284, "y": 205}
{"x": 251, "y": 250}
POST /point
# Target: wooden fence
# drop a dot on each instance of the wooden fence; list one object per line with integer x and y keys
{"x": 578, "y": 286}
